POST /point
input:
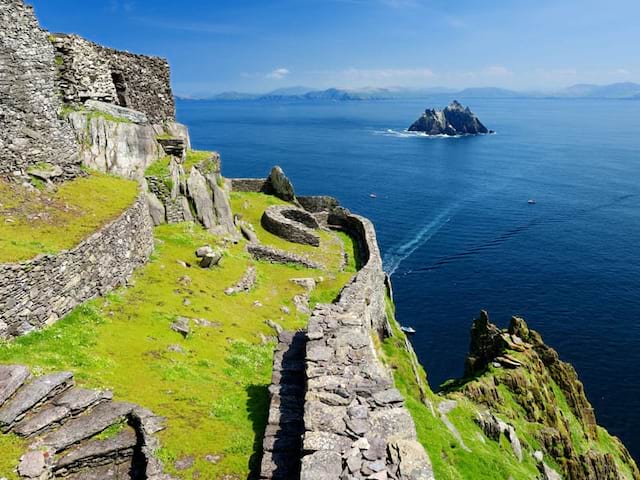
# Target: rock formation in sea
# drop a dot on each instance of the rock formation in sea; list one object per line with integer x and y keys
{"x": 453, "y": 120}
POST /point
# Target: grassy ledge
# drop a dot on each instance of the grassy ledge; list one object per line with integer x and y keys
{"x": 212, "y": 385}
{"x": 34, "y": 222}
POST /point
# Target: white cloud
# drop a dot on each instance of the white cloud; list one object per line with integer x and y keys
{"x": 387, "y": 74}
{"x": 623, "y": 71}
{"x": 497, "y": 71}
{"x": 278, "y": 74}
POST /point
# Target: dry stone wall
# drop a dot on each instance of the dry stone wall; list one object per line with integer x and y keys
{"x": 354, "y": 421}
{"x": 356, "y": 424}
{"x": 88, "y": 71}
{"x": 30, "y": 130}
{"x": 40, "y": 291}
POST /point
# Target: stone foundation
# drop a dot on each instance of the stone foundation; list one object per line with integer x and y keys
{"x": 292, "y": 224}
{"x": 40, "y": 291}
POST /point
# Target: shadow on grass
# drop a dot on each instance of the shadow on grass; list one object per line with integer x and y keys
{"x": 258, "y": 408}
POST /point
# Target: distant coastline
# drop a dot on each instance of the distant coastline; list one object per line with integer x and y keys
{"x": 614, "y": 91}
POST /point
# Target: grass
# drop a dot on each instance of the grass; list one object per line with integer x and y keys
{"x": 194, "y": 157}
{"x": 252, "y": 205}
{"x": 70, "y": 108}
{"x": 487, "y": 460}
{"x": 32, "y": 223}
{"x": 213, "y": 393}
{"x": 159, "y": 168}
{"x": 11, "y": 449}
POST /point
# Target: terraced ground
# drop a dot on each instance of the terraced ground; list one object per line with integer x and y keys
{"x": 39, "y": 220}
{"x": 211, "y": 385}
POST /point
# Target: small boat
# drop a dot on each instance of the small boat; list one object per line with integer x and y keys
{"x": 409, "y": 330}
{"x": 531, "y": 201}
{"x": 373, "y": 195}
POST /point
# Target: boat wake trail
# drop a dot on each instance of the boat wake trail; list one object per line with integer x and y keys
{"x": 497, "y": 241}
{"x": 398, "y": 254}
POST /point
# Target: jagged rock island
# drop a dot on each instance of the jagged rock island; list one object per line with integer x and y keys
{"x": 453, "y": 120}
{"x": 160, "y": 321}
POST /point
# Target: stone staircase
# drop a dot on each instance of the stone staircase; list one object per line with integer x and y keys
{"x": 64, "y": 422}
{"x": 283, "y": 436}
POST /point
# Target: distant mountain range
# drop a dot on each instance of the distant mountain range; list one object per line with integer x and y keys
{"x": 626, "y": 90}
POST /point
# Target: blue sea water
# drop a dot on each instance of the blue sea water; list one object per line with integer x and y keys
{"x": 455, "y": 227}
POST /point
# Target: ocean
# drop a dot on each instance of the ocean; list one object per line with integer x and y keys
{"x": 455, "y": 227}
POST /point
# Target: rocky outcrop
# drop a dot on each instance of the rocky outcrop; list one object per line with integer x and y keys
{"x": 61, "y": 421}
{"x": 40, "y": 291}
{"x": 277, "y": 183}
{"x": 453, "y": 120}
{"x": 521, "y": 364}
{"x": 30, "y": 130}
{"x": 199, "y": 195}
{"x": 292, "y": 224}
{"x": 120, "y": 148}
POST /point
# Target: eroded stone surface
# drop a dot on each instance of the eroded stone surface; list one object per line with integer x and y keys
{"x": 35, "y": 392}
{"x": 83, "y": 427}
{"x": 11, "y": 379}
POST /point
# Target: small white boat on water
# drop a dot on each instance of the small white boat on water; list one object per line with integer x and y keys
{"x": 531, "y": 201}
{"x": 373, "y": 195}
{"x": 409, "y": 330}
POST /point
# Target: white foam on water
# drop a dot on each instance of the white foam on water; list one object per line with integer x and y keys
{"x": 398, "y": 254}
{"x": 407, "y": 134}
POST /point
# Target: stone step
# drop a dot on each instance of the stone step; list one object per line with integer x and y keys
{"x": 114, "y": 471}
{"x": 95, "y": 453}
{"x": 79, "y": 399}
{"x": 12, "y": 377}
{"x": 87, "y": 425}
{"x": 43, "y": 420}
{"x": 33, "y": 394}
{"x": 69, "y": 403}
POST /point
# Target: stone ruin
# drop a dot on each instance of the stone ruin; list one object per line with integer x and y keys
{"x": 40, "y": 73}
{"x": 30, "y": 130}
{"x": 87, "y": 71}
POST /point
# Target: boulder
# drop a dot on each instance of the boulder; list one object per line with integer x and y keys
{"x": 181, "y": 325}
{"x": 279, "y": 185}
{"x": 210, "y": 260}
{"x": 202, "y": 198}
{"x": 156, "y": 209}
{"x": 453, "y": 120}
{"x": 411, "y": 460}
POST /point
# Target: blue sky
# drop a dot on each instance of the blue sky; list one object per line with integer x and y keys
{"x": 260, "y": 45}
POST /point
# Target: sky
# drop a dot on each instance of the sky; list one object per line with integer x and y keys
{"x": 262, "y": 45}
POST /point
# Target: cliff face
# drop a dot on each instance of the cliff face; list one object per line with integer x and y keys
{"x": 453, "y": 120}
{"x": 517, "y": 376}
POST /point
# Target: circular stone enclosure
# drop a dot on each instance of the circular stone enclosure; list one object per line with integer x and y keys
{"x": 292, "y": 224}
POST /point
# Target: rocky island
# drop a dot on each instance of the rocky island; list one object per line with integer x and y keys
{"x": 171, "y": 323}
{"x": 453, "y": 120}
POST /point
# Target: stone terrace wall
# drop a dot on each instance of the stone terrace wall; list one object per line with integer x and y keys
{"x": 367, "y": 288}
{"x": 355, "y": 421}
{"x": 42, "y": 290}
{"x": 248, "y": 184}
{"x": 30, "y": 131}
{"x": 91, "y": 72}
